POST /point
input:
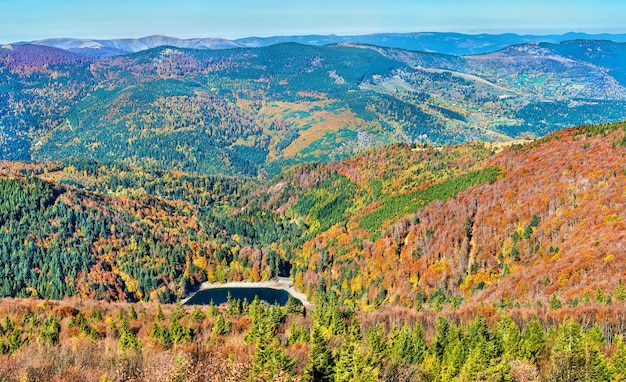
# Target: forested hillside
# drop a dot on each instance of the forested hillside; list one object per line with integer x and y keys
{"x": 257, "y": 111}
{"x": 452, "y": 263}
{"x": 117, "y": 233}
{"x": 536, "y": 222}
{"x": 398, "y": 225}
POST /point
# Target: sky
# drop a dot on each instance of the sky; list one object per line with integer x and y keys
{"x": 26, "y": 20}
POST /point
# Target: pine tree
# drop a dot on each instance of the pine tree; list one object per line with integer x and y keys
{"x": 160, "y": 316}
{"x": 269, "y": 359}
{"x": 179, "y": 333}
{"x": 595, "y": 368}
{"x": 50, "y": 330}
{"x": 198, "y": 315}
{"x": 221, "y": 326}
{"x": 131, "y": 313}
{"x": 353, "y": 363}
{"x": 555, "y": 303}
{"x": 567, "y": 358}
{"x": 620, "y": 292}
{"x": 618, "y": 360}
{"x": 508, "y": 337}
{"x": 377, "y": 343}
{"x": 438, "y": 344}
{"x": 477, "y": 332}
{"x": 128, "y": 341}
{"x": 455, "y": 352}
{"x": 532, "y": 340}
{"x": 595, "y": 335}
{"x": 321, "y": 362}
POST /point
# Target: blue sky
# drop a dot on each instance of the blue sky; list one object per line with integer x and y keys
{"x": 23, "y": 20}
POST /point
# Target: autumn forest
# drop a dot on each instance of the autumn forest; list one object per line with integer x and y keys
{"x": 443, "y": 223}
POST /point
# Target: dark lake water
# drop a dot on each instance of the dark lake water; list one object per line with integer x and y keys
{"x": 219, "y": 295}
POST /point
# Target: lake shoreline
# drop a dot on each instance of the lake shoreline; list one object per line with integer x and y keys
{"x": 279, "y": 283}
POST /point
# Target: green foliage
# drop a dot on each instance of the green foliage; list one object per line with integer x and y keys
{"x": 198, "y": 315}
{"x": 128, "y": 340}
{"x": 221, "y": 327}
{"x": 394, "y": 207}
{"x": 159, "y": 315}
{"x": 407, "y": 345}
{"x": 320, "y": 366}
{"x": 533, "y": 339}
{"x": 81, "y": 322}
{"x": 508, "y": 336}
{"x": 618, "y": 361}
{"x": 352, "y": 362}
{"x": 620, "y": 292}
{"x": 555, "y": 302}
{"x": 298, "y": 334}
{"x": 326, "y": 204}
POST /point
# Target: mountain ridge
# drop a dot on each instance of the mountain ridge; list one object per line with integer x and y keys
{"x": 256, "y": 111}
{"x": 447, "y": 43}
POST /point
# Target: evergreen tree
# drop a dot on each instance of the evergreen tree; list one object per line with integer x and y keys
{"x": 618, "y": 360}
{"x": 160, "y": 316}
{"x": 128, "y": 341}
{"x": 567, "y": 358}
{"x": 455, "y": 351}
{"x": 507, "y": 335}
{"x": 438, "y": 344}
{"x": 620, "y": 292}
{"x": 269, "y": 359}
{"x": 532, "y": 339}
{"x": 179, "y": 333}
{"x": 221, "y": 327}
{"x": 50, "y": 330}
{"x": 595, "y": 368}
{"x": 131, "y": 313}
{"x": 321, "y": 363}
{"x": 352, "y": 363}
{"x": 376, "y": 343}
{"x": 555, "y": 303}
{"x": 198, "y": 315}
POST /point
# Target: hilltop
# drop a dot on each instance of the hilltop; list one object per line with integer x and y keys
{"x": 257, "y": 111}
{"x": 446, "y": 43}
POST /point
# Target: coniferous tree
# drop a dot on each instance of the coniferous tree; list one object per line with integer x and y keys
{"x": 618, "y": 360}
{"x": 50, "y": 330}
{"x": 198, "y": 315}
{"x": 128, "y": 341}
{"x": 567, "y": 358}
{"x": 131, "y": 313}
{"x": 221, "y": 326}
{"x": 532, "y": 340}
{"x": 321, "y": 363}
{"x": 269, "y": 359}
{"x": 352, "y": 363}
{"x": 596, "y": 367}
{"x": 160, "y": 316}
{"x": 507, "y": 335}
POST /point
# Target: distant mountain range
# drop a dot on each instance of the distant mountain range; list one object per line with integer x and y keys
{"x": 445, "y": 43}
{"x": 257, "y": 111}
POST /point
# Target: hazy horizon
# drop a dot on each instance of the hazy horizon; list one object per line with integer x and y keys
{"x": 37, "y": 19}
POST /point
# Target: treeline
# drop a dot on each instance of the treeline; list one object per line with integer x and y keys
{"x": 254, "y": 341}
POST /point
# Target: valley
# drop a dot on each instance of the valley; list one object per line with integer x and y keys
{"x": 456, "y": 215}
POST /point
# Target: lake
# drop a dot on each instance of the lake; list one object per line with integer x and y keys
{"x": 219, "y": 295}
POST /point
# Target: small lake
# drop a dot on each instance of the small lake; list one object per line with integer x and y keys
{"x": 219, "y": 295}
